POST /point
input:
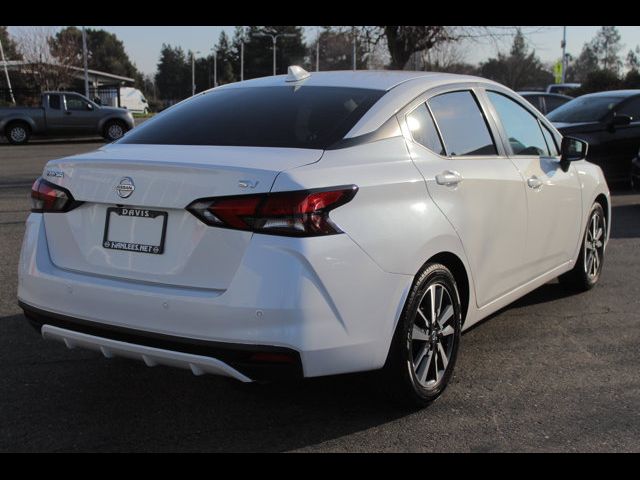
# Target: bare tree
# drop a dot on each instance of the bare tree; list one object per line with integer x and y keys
{"x": 402, "y": 42}
{"x": 44, "y": 70}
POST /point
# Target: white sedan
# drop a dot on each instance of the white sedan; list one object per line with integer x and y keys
{"x": 312, "y": 224}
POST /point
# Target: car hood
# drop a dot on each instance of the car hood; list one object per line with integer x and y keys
{"x": 564, "y": 127}
{"x": 113, "y": 110}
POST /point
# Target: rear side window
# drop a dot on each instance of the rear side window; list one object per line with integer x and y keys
{"x": 54, "y": 102}
{"x": 462, "y": 124}
{"x": 522, "y": 128}
{"x": 294, "y": 117}
{"x": 423, "y": 130}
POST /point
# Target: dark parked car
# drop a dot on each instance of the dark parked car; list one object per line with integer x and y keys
{"x": 545, "y": 102}
{"x": 610, "y": 123}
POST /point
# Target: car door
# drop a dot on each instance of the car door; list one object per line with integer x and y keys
{"x": 621, "y": 142}
{"x": 80, "y": 115}
{"x": 473, "y": 183}
{"x": 54, "y": 111}
{"x": 554, "y": 202}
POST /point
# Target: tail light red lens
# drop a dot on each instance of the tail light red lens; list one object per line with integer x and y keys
{"x": 47, "y": 197}
{"x": 300, "y": 213}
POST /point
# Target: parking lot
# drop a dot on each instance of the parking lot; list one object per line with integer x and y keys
{"x": 553, "y": 372}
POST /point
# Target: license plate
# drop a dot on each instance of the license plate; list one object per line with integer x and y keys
{"x": 135, "y": 230}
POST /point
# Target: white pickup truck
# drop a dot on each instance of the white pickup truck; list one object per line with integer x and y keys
{"x": 64, "y": 114}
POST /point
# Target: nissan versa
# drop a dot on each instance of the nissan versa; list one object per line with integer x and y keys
{"x": 312, "y": 224}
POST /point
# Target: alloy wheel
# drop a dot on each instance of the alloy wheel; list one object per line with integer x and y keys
{"x": 432, "y": 336}
{"x": 594, "y": 246}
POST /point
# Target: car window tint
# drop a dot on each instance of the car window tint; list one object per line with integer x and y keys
{"x": 424, "y": 130}
{"x": 75, "y": 103}
{"x": 54, "y": 102}
{"x": 554, "y": 102}
{"x": 587, "y": 108}
{"x": 462, "y": 124}
{"x": 551, "y": 142}
{"x": 521, "y": 127}
{"x": 280, "y": 116}
{"x": 632, "y": 108}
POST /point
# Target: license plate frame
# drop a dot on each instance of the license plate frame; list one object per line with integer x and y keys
{"x": 131, "y": 246}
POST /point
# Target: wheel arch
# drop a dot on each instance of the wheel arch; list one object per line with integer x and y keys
{"x": 604, "y": 201}
{"x": 459, "y": 272}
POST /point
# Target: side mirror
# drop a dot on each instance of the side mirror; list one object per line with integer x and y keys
{"x": 620, "y": 120}
{"x": 572, "y": 150}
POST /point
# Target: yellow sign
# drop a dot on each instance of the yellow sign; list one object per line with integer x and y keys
{"x": 557, "y": 71}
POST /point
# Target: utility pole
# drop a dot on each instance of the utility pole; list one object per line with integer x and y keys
{"x": 215, "y": 67}
{"x": 353, "y": 33}
{"x": 564, "y": 53}
{"x": 274, "y": 39}
{"x": 6, "y": 73}
{"x": 85, "y": 60}
{"x": 318, "y": 53}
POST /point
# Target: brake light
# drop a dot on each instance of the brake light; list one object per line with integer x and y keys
{"x": 300, "y": 213}
{"x": 47, "y": 197}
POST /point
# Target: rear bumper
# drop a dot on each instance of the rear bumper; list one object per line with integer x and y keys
{"x": 242, "y": 362}
{"x": 323, "y": 300}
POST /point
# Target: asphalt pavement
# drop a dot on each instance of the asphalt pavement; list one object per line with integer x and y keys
{"x": 553, "y": 372}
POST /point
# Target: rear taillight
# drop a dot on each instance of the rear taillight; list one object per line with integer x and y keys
{"x": 301, "y": 213}
{"x": 47, "y": 197}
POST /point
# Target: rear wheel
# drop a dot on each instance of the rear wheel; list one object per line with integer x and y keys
{"x": 18, "y": 133}
{"x": 114, "y": 130}
{"x": 425, "y": 345}
{"x": 586, "y": 272}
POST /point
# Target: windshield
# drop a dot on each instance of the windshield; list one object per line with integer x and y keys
{"x": 295, "y": 117}
{"x": 584, "y": 109}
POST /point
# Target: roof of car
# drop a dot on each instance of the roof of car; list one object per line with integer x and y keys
{"x": 614, "y": 93}
{"x": 546, "y": 94}
{"x": 373, "y": 79}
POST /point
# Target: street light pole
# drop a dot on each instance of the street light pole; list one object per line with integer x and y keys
{"x": 193, "y": 73}
{"x": 564, "y": 53}
{"x": 274, "y": 39}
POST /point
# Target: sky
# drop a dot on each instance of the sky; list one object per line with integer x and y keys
{"x": 143, "y": 44}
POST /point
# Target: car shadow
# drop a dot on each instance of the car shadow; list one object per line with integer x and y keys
{"x": 123, "y": 405}
{"x": 625, "y": 221}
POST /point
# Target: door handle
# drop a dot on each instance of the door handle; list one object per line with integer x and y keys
{"x": 449, "y": 178}
{"x": 534, "y": 182}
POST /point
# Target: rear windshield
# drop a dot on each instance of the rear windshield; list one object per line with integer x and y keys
{"x": 584, "y": 109}
{"x": 294, "y": 117}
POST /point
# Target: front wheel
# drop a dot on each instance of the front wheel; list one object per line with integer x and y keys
{"x": 425, "y": 345}
{"x": 586, "y": 272}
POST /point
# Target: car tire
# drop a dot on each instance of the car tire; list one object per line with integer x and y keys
{"x": 586, "y": 272}
{"x": 114, "y": 130}
{"x": 18, "y": 133}
{"x": 423, "y": 352}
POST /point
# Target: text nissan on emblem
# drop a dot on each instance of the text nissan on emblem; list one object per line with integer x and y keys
{"x": 126, "y": 187}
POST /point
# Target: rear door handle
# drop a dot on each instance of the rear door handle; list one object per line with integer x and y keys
{"x": 449, "y": 178}
{"x": 534, "y": 182}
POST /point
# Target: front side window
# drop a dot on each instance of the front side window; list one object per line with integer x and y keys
{"x": 423, "y": 130}
{"x": 521, "y": 127}
{"x": 631, "y": 108}
{"x": 75, "y": 103}
{"x": 283, "y": 116}
{"x": 462, "y": 124}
